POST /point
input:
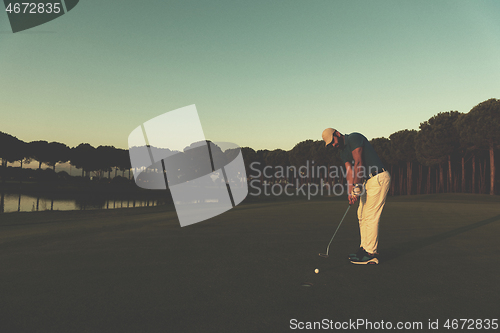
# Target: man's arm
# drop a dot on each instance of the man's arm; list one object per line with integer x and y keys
{"x": 357, "y": 154}
{"x": 352, "y": 174}
{"x": 350, "y": 177}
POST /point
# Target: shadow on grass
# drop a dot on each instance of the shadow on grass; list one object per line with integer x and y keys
{"x": 404, "y": 249}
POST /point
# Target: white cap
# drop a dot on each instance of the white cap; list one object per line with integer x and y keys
{"x": 328, "y": 135}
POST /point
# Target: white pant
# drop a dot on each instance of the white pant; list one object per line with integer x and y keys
{"x": 370, "y": 208}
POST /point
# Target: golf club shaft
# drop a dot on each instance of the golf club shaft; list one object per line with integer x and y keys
{"x": 328, "y": 247}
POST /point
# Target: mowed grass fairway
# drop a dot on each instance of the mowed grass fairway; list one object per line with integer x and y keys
{"x": 137, "y": 270}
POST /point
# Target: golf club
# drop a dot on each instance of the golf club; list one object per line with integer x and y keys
{"x": 325, "y": 255}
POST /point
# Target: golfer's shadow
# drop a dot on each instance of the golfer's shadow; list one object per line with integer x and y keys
{"x": 404, "y": 249}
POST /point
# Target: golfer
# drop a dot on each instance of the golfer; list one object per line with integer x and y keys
{"x": 362, "y": 164}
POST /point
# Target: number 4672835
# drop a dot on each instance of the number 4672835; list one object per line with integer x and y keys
{"x": 33, "y": 8}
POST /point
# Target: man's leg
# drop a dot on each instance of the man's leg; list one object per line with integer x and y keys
{"x": 362, "y": 225}
{"x": 376, "y": 193}
{"x": 359, "y": 252}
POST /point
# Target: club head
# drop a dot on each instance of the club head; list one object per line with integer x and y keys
{"x": 324, "y": 255}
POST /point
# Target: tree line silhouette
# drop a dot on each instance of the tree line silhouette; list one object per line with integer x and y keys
{"x": 84, "y": 156}
{"x": 451, "y": 152}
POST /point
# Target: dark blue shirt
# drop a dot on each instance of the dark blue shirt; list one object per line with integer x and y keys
{"x": 369, "y": 156}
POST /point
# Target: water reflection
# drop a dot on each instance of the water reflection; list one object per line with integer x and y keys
{"x": 25, "y": 203}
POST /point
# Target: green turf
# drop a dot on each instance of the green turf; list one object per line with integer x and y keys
{"x": 136, "y": 270}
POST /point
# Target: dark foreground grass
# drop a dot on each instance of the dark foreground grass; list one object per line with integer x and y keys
{"x": 136, "y": 270}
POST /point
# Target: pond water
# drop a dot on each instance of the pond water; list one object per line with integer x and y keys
{"x": 28, "y": 203}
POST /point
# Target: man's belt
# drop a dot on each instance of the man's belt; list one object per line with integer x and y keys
{"x": 376, "y": 172}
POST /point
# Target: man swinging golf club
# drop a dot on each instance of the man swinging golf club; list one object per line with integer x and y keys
{"x": 367, "y": 166}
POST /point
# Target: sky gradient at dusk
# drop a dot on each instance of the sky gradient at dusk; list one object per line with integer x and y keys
{"x": 263, "y": 74}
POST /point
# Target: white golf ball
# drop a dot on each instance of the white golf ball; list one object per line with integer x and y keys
{"x": 316, "y": 271}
